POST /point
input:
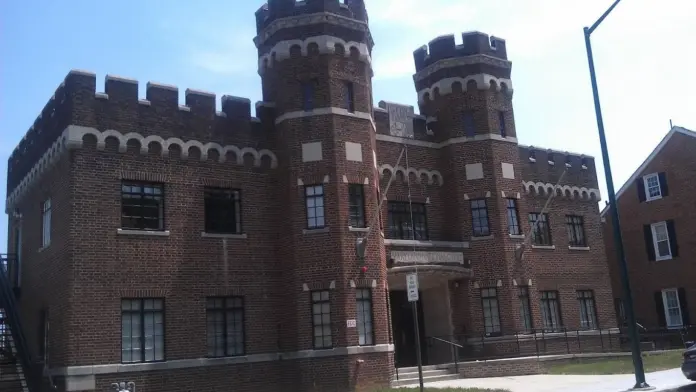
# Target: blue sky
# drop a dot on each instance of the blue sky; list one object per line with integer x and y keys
{"x": 643, "y": 52}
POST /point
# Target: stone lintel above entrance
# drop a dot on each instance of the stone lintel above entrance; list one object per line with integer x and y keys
{"x": 435, "y": 268}
{"x": 426, "y": 257}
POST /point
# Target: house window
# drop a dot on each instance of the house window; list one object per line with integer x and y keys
{"x": 363, "y": 298}
{"x": 46, "y": 223}
{"x": 400, "y": 226}
{"x": 142, "y": 206}
{"x": 620, "y": 311}
{"x": 142, "y": 330}
{"x": 469, "y": 124}
{"x": 314, "y": 199}
{"x": 576, "y": 230}
{"x": 588, "y": 311}
{"x": 479, "y": 218}
{"x": 225, "y": 326}
{"x": 501, "y": 121}
{"x": 356, "y": 205}
{"x": 673, "y": 307}
{"x": 513, "y": 217}
{"x": 308, "y": 96}
{"x": 661, "y": 241}
{"x": 222, "y": 211}
{"x": 525, "y": 308}
{"x": 550, "y": 311}
{"x": 541, "y": 233}
{"x": 321, "y": 319}
{"x": 349, "y": 96}
{"x": 491, "y": 313}
{"x": 652, "y": 187}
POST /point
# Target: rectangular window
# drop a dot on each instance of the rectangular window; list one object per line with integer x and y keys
{"x": 308, "y": 96}
{"x": 653, "y": 191}
{"x": 349, "y": 96}
{"x": 314, "y": 199}
{"x": 550, "y": 311}
{"x": 491, "y": 313}
{"x": 142, "y": 206}
{"x": 321, "y": 319}
{"x": 356, "y": 205}
{"x": 142, "y": 330}
{"x": 363, "y": 298}
{"x": 501, "y": 121}
{"x": 673, "y": 308}
{"x": 525, "y": 308}
{"x": 660, "y": 237}
{"x": 400, "y": 226}
{"x": 469, "y": 124}
{"x": 46, "y": 223}
{"x": 620, "y": 311}
{"x": 513, "y": 218}
{"x": 588, "y": 311}
{"x": 225, "y": 326}
{"x": 479, "y": 218}
{"x": 576, "y": 230}
{"x": 541, "y": 233}
{"x": 222, "y": 210}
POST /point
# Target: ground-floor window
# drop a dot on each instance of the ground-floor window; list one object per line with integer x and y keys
{"x": 550, "y": 311}
{"x": 225, "y": 326}
{"x": 588, "y": 311}
{"x": 321, "y": 319}
{"x": 142, "y": 330}
{"x": 363, "y": 303}
{"x": 671, "y": 307}
{"x": 491, "y": 313}
{"x": 525, "y": 308}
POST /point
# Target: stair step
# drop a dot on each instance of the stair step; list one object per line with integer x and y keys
{"x": 412, "y": 369}
{"x": 414, "y": 381}
{"x": 426, "y": 373}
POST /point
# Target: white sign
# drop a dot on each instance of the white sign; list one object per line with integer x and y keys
{"x": 412, "y": 287}
{"x": 351, "y": 323}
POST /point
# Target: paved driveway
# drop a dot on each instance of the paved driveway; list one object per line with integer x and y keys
{"x": 667, "y": 380}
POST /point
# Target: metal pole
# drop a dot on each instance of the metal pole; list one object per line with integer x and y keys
{"x": 618, "y": 242}
{"x": 414, "y": 306}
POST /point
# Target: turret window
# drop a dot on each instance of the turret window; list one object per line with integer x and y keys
{"x": 349, "y": 96}
{"x": 469, "y": 124}
{"x": 501, "y": 123}
{"x": 308, "y": 96}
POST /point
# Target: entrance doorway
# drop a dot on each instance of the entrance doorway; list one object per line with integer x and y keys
{"x": 404, "y": 330}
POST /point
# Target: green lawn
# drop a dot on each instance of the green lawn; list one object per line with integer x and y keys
{"x": 652, "y": 363}
{"x": 442, "y": 390}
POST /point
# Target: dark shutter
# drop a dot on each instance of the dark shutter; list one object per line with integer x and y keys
{"x": 660, "y": 309}
{"x": 674, "y": 247}
{"x": 684, "y": 305}
{"x": 649, "y": 246}
{"x": 640, "y": 185}
{"x": 664, "y": 190}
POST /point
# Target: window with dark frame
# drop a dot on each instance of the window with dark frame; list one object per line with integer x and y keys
{"x": 222, "y": 210}
{"x": 363, "y": 299}
{"x": 142, "y": 206}
{"x": 588, "y": 311}
{"x": 501, "y": 121}
{"x": 142, "y": 330}
{"x": 550, "y": 311}
{"x": 356, "y": 205}
{"x": 314, "y": 199}
{"x": 479, "y": 218}
{"x": 308, "y": 96}
{"x": 399, "y": 217}
{"x": 513, "y": 217}
{"x": 46, "y": 223}
{"x": 321, "y": 319}
{"x": 349, "y": 96}
{"x": 525, "y": 308}
{"x": 576, "y": 230}
{"x": 541, "y": 233}
{"x": 469, "y": 124}
{"x": 225, "y": 326}
{"x": 491, "y": 312}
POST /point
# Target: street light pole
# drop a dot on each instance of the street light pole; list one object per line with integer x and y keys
{"x": 613, "y": 207}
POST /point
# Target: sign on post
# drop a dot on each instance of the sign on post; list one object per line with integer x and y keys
{"x": 412, "y": 287}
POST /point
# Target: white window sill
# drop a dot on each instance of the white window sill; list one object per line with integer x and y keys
{"x": 516, "y": 236}
{"x": 426, "y": 244}
{"x": 316, "y": 231}
{"x": 43, "y": 248}
{"x": 648, "y": 199}
{"x": 358, "y": 229}
{"x": 585, "y": 248}
{"x": 663, "y": 258}
{"x": 150, "y": 233}
{"x": 482, "y": 238}
{"x": 548, "y": 247}
{"x": 221, "y": 235}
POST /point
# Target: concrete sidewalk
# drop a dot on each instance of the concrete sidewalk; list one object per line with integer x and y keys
{"x": 664, "y": 381}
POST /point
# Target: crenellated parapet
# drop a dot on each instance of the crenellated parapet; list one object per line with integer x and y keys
{"x": 277, "y": 10}
{"x": 444, "y": 47}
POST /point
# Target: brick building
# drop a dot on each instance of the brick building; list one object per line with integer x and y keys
{"x": 657, "y": 213}
{"x": 182, "y": 249}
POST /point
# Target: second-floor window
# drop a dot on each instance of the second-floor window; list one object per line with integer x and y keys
{"x": 356, "y": 205}
{"x": 550, "y": 311}
{"x": 222, "y": 211}
{"x": 142, "y": 206}
{"x": 225, "y": 326}
{"x": 576, "y": 230}
{"x": 588, "y": 311}
{"x": 661, "y": 241}
{"x": 400, "y": 227}
{"x": 142, "y": 330}
{"x": 652, "y": 187}
{"x": 513, "y": 217}
{"x": 321, "y": 319}
{"x": 349, "y": 96}
{"x": 314, "y": 201}
{"x": 541, "y": 232}
{"x": 479, "y": 218}
{"x": 46, "y": 223}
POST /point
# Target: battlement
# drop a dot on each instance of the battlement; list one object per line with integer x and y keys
{"x": 444, "y": 47}
{"x": 277, "y": 9}
{"x": 77, "y": 102}
{"x": 561, "y": 159}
